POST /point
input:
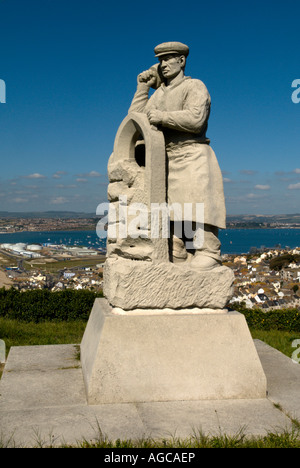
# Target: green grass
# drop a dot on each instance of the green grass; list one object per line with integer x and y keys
{"x": 16, "y": 333}
{"x": 54, "y": 267}
{"x": 200, "y": 440}
{"x": 284, "y": 439}
{"x": 6, "y": 261}
{"x": 278, "y": 339}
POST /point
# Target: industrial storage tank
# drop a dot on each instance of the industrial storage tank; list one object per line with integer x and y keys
{"x": 35, "y": 248}
{"x": 6, "y": 246}
{"x": 19, "y": 246}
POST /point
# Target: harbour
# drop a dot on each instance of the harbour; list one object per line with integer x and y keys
{"x": 234, "y": 241}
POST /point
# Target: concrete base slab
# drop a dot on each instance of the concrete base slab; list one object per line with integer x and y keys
{"x": 184, "y": 418}
{"x": 43, "y": 402}
{"x": 129, "y": 358}
{"x": 283, "y": 379}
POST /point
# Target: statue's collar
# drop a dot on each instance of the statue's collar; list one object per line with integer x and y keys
{"x": 175, "y": 84}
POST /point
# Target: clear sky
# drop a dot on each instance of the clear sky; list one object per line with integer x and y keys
{"x": 70, "y": 69}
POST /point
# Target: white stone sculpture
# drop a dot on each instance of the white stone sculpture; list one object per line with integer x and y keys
{"x": 162, "y": 158}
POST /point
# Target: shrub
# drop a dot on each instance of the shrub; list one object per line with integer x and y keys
{"x": 285, "y": 319}
{"x": 68, "y": 305}
{"x": 43, "y": 305}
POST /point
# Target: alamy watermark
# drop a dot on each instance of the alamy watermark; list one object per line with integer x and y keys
{"x": 136, "y": 220}
{"x": 296, "y": 353}
{"x": 2, "y": 92}
{"x": 2, "y": 352}
{"x": 296, "y": 93}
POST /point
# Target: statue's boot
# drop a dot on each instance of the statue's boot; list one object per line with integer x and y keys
{"x": 179, "y": 252}
{"x": 208, "y": 256}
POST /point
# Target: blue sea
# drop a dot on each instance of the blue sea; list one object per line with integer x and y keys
{"x": 234, "y": 241}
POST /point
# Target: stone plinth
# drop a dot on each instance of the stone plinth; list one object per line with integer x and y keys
{"x": 168, "y": 357}
{"x": 140, "y": 284}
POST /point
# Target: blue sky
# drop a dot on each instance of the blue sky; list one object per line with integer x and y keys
{"x": 70, "y": 70}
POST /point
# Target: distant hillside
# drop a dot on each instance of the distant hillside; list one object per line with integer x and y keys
{"x": 265, "y": 219}
{"x": 47, "y": 215}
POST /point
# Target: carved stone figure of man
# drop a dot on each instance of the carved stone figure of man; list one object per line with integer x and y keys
{"x": 180, "y": 107}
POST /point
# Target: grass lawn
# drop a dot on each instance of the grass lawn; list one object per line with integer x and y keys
{"x": 59, "y": 265}
{"x": 278, "y": 339}
{"x": 16, "y": 333}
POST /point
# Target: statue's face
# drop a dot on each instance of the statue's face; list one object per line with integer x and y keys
{"x": 171, "y": 65}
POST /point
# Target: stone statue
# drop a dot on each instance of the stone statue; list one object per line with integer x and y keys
{"x": 162, "y": 157}
{"x": 180, "y": 107}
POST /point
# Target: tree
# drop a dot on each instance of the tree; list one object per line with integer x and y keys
{"x": 282, "y": 261}
{"x": 295, "y": 288}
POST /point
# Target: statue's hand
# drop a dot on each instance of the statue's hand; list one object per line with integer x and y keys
{"x": 148, "y": 77}
{"x": 155, "y": 116}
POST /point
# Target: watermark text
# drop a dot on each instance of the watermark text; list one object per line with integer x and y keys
{"x": 296, "y": 93}
{"x": 135, "y": 220}
{"x": 296, "y": 353}
{"x": 2, "y": 92}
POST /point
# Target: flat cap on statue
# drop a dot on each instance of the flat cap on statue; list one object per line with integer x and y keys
{"x": 171, "y": 48}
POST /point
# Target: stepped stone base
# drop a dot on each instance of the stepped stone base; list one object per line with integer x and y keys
{"x": 168, "y": 357}
{"x": 136, "y": 284}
